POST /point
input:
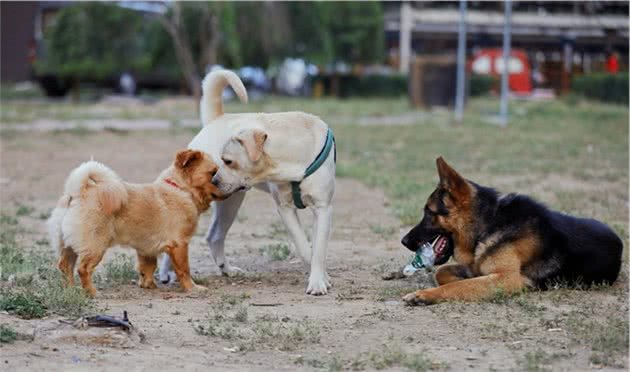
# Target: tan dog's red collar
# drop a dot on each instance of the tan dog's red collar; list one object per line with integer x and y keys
{"x": 172, "y": 183}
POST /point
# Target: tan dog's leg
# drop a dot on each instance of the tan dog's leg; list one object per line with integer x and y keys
{"x": 179, "y": 258}
{"x": 67, "y": 260}
{"x": 87, "y": 263}
{"x": 451, "y": 273}
{"x": 479, "y": 288}
{"x": 146, "y": 268}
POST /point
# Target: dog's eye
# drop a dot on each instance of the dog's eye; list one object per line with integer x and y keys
{"x": 227, "y": 161}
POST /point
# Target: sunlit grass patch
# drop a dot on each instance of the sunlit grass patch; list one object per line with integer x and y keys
{"x": 584, "y": 143}
{"x": 276, "y": 252}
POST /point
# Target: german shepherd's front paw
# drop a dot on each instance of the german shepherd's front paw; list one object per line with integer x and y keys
{"x": 416, "y": 298}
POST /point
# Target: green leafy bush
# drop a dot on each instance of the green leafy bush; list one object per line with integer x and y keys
{"x": 24, "y": 304}
{"x": 374, "y": 86}
{"x": 481, "y": 84}
{"x": 604, "y": 87}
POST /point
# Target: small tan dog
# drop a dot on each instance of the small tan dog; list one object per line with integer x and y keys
{"x": 98, "y": 210}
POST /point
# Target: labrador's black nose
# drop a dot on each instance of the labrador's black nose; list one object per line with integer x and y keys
{"x": 215, "y": 181}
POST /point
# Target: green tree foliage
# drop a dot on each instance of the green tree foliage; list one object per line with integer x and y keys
{"x": 94, "y": 39}
{"x": 100, "y": 40}
{"x": 338, "y": 31}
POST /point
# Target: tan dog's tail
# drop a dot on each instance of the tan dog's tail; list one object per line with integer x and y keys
{"x": 55, "y": 221}
{"x": 94, "y": 178}
{"x": 211, "y": 105}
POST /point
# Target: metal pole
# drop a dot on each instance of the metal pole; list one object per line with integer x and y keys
{"x": 461, "y": 62}
{"x": 507, "y": 29}
{"x": 406, "y": 24}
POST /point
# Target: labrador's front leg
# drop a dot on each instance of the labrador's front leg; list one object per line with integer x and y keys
{"x": 290, "y": 219}
{"x": 319, "y": 282}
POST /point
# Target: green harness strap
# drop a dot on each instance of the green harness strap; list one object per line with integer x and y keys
{"x": 319, "y": 160}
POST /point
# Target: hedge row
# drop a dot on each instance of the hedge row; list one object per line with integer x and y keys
{"x": 374, "y": 86}
{"x": 481, "y": 84}
{"x": 603, "y": 87}
{"x": 397, "y": 85}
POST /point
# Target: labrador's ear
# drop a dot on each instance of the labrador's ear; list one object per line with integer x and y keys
{"x": 253, "y": 140}
{"x": 450, "y": 180}
{"x": 185, "y": 158}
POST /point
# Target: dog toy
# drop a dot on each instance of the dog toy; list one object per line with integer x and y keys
{"x": 423, "y": 259}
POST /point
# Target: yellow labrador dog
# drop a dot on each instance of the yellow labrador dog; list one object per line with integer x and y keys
{"x": 291, "y": 155}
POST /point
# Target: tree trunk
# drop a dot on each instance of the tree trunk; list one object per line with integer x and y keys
{"x": 183, "y": 51}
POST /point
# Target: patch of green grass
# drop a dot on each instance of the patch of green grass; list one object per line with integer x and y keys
{"x": 285, "y": 335}
{"x": 63, "y": 300}
{"x": 15, "y": 262}
{"x": 583, "y": 144}
{"x": 7, "y": 334}
{"x": 608, "y": 339}
{"x": 535, "y": 361}
{"x": 24, "y": 210}
{"x": 39, "y": 285}
{"x": 277, "y": 230}
{"x": 393, "y": 292}
{"x": 120, "y": 270}
{"x": 394, "y": 356}
{"x": 7, "y": 219}
{"x": 45, "y": 295}
{"x": 229, "y": 319}
{"x": 19, "y": 92}
{"x": 24, "y": 304}
{"x": 384, "y": 232}
{"x": 276, "y": 252}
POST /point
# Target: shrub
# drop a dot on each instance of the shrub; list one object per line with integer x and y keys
{"x": 24, "y": 304}
{"x": 394, "y": 85}
{"x": 7, "y": 334}
{"x": 481, "y": 84}
{"x": 604, "y": 87}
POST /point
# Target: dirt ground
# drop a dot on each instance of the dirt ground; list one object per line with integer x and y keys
{"x": 360, "y": 324}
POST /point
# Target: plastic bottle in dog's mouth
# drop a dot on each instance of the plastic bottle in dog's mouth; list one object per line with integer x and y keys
{"x": 423, "y": 259}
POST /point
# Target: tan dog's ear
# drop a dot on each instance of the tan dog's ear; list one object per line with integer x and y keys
{"x": 185, "y": 158}
{"x": 450, "y": 179}
{"x": 253, "y": 141}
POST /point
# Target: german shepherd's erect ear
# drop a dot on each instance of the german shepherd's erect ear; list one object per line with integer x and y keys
{"x": 451, "y": 181}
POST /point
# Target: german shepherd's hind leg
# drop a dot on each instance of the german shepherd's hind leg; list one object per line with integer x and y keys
{"x": 67, "y": 260}
{"x": 474, "y": 289}
{"x": 178, "y": 252}
{"x": 146, "y": 268}
{"x": 451, "y": 273}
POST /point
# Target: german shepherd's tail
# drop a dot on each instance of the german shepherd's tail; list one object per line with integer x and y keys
{"x": 93, "y": 178}
{"x": 211, "y": 105}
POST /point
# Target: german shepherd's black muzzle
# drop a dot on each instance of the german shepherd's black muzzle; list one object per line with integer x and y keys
{"x": 440, "y": 239}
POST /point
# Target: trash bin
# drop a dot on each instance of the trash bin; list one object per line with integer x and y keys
{"x": 432, "y": 81}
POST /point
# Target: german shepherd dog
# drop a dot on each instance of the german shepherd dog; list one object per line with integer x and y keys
{"x": 506, "y": 243}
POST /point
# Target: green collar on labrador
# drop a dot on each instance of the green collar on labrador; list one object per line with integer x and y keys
{"x": 319, "y": 160}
